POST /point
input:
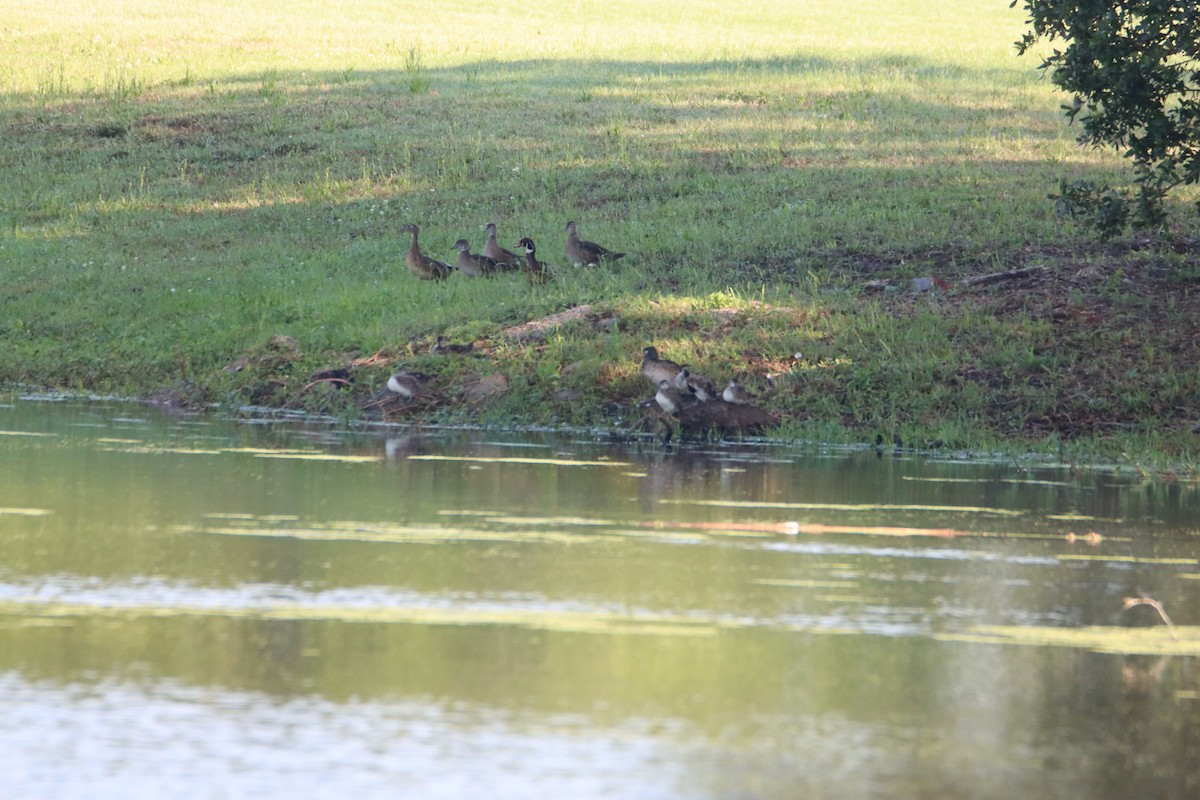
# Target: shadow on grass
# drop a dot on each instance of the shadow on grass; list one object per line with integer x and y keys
{"x": 790, "y": 152}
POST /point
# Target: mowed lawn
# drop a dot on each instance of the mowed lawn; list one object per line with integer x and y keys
{"x": 184, "y": 181}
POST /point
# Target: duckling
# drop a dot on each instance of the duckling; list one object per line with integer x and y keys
{"x": 668, "y": 398}
{"x": 421, "y": 265}
{"x": 408, "y": 384}
{"x": 536, "y": 271}
{"x": 442, "y": 347}
{"x": 492, "y": 249}
{"x": 734, "y": 393}
{"x": 471, "y": 264}
{"x": 698, "y": 385}
{"x": 655, "y": 369}
{"x": 581, "y": 252}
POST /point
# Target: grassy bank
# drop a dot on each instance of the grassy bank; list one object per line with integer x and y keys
{"x": 185, "y": 183}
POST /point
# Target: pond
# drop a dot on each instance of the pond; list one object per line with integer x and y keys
{"x": 199, "y": 606}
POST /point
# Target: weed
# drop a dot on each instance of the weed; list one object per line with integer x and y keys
{"x": 268, "y": 87}
{"x": 414, "y": 72}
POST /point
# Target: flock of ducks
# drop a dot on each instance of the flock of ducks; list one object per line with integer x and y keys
{"x": 494, "y": 259}
{"x": 679, "y": 387}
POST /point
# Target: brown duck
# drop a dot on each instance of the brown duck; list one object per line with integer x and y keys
{"x": 493, "y": 250}
{"x": 584, "y": 253}
{"x": 536, "y": 271}
{"x": 471, "y": 264}
{"x": 656, "y": 370}
{"x": 444, "y": 348}
{"x": 421, "y": 265}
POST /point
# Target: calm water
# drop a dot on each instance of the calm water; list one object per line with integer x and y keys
{"x": 196, "y": 607}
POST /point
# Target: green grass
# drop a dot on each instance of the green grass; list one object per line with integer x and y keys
{"x": 185, "y": 181}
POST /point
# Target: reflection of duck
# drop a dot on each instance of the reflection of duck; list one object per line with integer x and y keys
{"x": 407, "y": 383}
{"x": 581, "y": 252}
{"x": 421, "y": 265}
{"x": 655, "y": 369}
{"x": 402, "y": 446}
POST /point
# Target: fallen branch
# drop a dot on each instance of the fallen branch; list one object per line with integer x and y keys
{"x": 538, "y": 328}
{"x": 1131, "y": 602}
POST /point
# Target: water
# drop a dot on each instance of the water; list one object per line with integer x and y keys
{"x": 201, "y": 607}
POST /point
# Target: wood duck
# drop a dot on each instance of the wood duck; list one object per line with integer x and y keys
{"x": 584, "y": 253}
{"x": 493, "y": 250}
{"x": 471, "y": 264}
{"x": 697, "y": 385}
{"x": 408, "y": 384}
{"x": 734, "y": 393}
{"x": 536, "y": 271}
{"x": 442, "y": 347}
{"x": 421, "y": 265}
{"x": 655, "y": 369}
{"x": 668, "y": 398}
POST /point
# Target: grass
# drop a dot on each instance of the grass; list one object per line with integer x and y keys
{"x": 187, "y": 182}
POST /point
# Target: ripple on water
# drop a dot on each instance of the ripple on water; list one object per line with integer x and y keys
{"x": 160, "y": 740}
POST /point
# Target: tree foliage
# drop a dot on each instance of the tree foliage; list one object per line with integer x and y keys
{"x": 1133, "y": 70}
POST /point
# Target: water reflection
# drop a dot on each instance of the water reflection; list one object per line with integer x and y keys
{"x": 271, "y": 607}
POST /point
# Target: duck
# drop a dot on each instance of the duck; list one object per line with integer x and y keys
{"x": 473, "y": 265}
{"x": 697, "y": 385}
{"x": 581, "y": 252}
{"x": 442, "y": 347}
{"x": 408, "y": 384}
{"x": 655, "y": 369}
{"x": 501, "y": 255}
{"x": 668, "y": 398}
{"x": 536, "y": 271}
{"x": 734, "y": 393}
{"x": 421, "y": 265}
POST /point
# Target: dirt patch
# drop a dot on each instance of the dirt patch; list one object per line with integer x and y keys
{"x": 1123, "y": 322}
